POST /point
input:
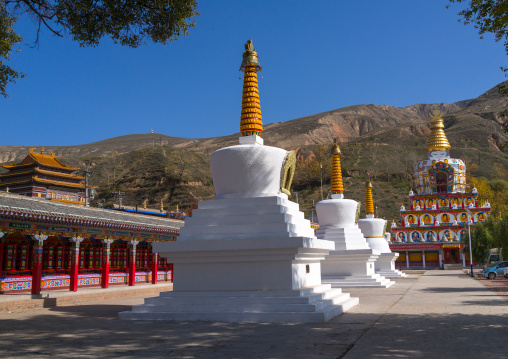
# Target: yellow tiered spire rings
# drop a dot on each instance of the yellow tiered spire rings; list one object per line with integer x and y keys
{"x": 337, "y": 186}
{"x": 369, "y": 202}
{"x": 250, "y": 120}
{"x": 437, "y": 140}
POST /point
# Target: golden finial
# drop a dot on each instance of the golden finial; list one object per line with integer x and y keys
{"x": 369, "y": 203}
{"x": 162, "y": 205}
{"x": 42, "y": 150}
{"x": 177, "y": 207}
{"x": 144, "y": 203}
{"x": 437, "y": 140}
{"x": 337, "y": 185}
{"x": 251, "y": 122}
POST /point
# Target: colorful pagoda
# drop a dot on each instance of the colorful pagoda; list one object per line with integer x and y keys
{"x": 41, "y": 175}
{"x": 251, "y": 123}
{"x": 434, "y": 226}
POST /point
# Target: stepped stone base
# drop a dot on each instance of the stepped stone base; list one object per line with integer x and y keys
{"x": 385, "y": 266}
{"x": 368, "y": 281}
{"x": 353, "y": 269}
{"x": 307, "y": 305}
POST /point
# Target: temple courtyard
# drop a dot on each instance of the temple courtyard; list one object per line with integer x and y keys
{"x": 432, "y": 314}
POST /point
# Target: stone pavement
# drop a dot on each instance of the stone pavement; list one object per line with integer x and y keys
{"x": 436, "y": 314}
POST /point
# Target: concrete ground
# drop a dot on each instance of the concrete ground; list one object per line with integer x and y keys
{"x": 433, "y": 314}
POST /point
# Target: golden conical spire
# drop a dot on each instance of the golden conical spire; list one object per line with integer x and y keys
{"x": 337, "y": 186}
{"x": 369, "y": 203}
{"x": 437, "y": 140}
{"x": 251, "y": 121}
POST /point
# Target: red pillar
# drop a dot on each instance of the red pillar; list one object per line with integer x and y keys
{"x": 37, "y": 263}
{"x": 75, "y": 264}
{"x": 132, "y": 263}
{"x": 155, "y": 262}
{"x": 106, "y": 251}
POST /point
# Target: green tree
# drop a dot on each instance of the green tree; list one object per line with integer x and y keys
{"x": 127, "y": 22}
{"x": 488, "y": 16}
{"x": 8, "y": 40}
{"x": 481, "y": 241}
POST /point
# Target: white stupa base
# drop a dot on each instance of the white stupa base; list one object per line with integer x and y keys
{"x": 353, "y": 269}
{"x": 307, "y": 305}
{"x": 385, "y": 266}
{"x": 348, "y": 238}
{"x": 246, "y": 260}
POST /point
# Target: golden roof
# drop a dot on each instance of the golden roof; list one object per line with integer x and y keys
{"x": 38, "y": 170}
{"x": 42, "y": 180}
{"x": 42, "y": 159}
{"x": 437, "y": 140}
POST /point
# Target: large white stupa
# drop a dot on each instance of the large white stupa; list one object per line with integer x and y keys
{"x": 373, "y": 229}
{"x": 248, "y": 255}
{"x": 351, "y": 264}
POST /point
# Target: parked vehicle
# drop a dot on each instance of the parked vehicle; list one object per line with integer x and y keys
{"x": 494, "y": 256}
{"x": 506, "y": 272}
{"x": 495, "y": 270}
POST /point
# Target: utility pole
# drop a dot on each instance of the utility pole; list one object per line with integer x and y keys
{"x": 470, "y": 215}
{"x": 120, "y": 198}
{"x": 321, "y": 166}
{"x": 86, "y": 173}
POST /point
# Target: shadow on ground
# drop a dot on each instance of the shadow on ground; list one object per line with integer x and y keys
{"x": 86, "y": 331}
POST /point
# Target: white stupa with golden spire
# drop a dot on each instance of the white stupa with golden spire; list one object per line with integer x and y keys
{"x": 374, "y": 231}
{"x": 249, "y": 254}
{"x": 351, "y": 264}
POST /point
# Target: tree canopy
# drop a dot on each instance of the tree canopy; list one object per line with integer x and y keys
{"x": 488, "y": 16}
{"x": 127, "y": 22}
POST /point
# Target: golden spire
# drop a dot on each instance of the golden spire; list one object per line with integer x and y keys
{"x": 437, "y": 140}
{"x": 337, "y": 186}
{"x": 369, "y": 203}
{"x": 251, "y": 121}
{"x": 42, "y": 150}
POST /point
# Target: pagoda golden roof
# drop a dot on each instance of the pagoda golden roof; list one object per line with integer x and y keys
{"x": 38, "y": 170}
{"x": 42, "y": 180}
{"x": 437, "y": 140}
{"x": 41, "y": 159}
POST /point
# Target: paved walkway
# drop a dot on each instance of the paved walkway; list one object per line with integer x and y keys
{"x": 439, "y": 314}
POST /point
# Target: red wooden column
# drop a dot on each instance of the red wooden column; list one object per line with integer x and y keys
{"x": 2, "y": 234}
{"x": 155, "y": 262}
{"x": 37, "y": 262}
{"x": 75, "y": 264}
{"x": 132, "y": 263}
{"x": 106, "y": 252}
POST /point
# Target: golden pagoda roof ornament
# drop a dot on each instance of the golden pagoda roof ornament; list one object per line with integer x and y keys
{"x": 337, "y": 185}
{"x": 369, "y": 203}
{"x": 251, "y": 121}
{"x": 437, "y": 140}
{"x": 335, "y": 148}
{"x": 250, "y": 57}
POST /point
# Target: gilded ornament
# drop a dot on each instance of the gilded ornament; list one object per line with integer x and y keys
{"x": 288, "y": 171}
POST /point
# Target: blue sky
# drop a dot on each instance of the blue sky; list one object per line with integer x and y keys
{"x": 316, "y": 56}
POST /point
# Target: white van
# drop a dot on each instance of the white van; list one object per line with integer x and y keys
{"x": 493, "y": 257}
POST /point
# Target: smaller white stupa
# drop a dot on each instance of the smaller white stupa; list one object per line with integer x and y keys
{"x": 373, "y": 230}
{"x": 351, "y": 264}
